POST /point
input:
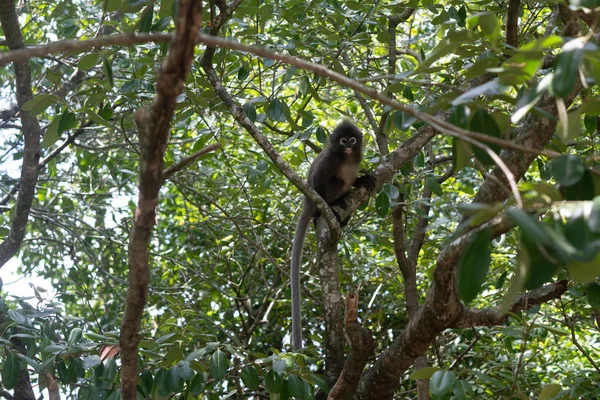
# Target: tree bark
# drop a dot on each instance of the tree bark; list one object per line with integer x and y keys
{"x": 31, "y": 134}
{"x": 154, "y": 135}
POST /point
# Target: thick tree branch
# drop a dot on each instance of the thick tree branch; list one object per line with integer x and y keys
{"x": 442, "y": 307}
{"x": 361, "y": 347}
{"x": 31, "y": 135}
{"x": 327, "y": 256}
{"x": 512, "y": 23}
{"x": 154, "y": 134}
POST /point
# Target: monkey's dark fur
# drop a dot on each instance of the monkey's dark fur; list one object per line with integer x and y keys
{"x": 332, "y": 174}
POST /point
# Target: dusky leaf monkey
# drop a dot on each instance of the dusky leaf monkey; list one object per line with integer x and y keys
{"x": 332, "y": 174}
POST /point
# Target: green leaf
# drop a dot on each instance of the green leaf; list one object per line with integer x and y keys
{"x": 408, "y": 94}
{"x": 243, "y": 72}
{"x": 250, "y": 377}
{"x": 63, "y": 374}
{"x": 17, "y": 317}
{"x": 460, "y": 116}
{"x": 136, "y": 3}
{"x": 112, "y": 5}
{"x": 250, "y": 111}
{"x": 51, "y": 135}
{"x": 585, "y": 271}
{"x": 75, "y": 336}
{"x": 106, "y": 64}
{"x": 569, "y": 126}
{"x": 435, "y": 187}
{"x": 441, "y": 382}
{"x": 462, "y": 390}
{"x": 67, "y": 121}
{"x": 590, "y": 123}
{"x": 218, "y": 365}
{"x": 146, "y": 18}
{"x": 423, "y": 373}
{"x": 39, "y": 103}
{"x": 566, "y": 66}
{"x": 198, "y": 384}
{"x": 88, "y": 61}
{"x": 491, "y": 88}
{"x": 391, "y": 191}
{"x": 550, "y": 391}
{"x": 146, "y": 379}
{"x": 273, "y": 382}
{"x": 540, "y": 269}
{"x": 593, "y": 295}
{"x": 275, "y": 110}
{"x": 174, "y": 381}
{"x": 420, "y": 159}
{"x": 474, "y": 265}
{"x": 185, "y": 372}
{"x": 531, "y": 228}
{"x": 10, "y": 371}
{"x": 483, "y": 122}
{"x": 321, "y": 134}
{"x": 294, "y": 386}
{"x": 461, "y": 154}
{"x": 529, "y": 98}
{"x": 584, "y": 189}
{"x": 382, "y": 204}
{"x": 398, "y": 120}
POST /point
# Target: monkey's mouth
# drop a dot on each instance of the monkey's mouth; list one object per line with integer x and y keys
{"x": 348, "y": 151}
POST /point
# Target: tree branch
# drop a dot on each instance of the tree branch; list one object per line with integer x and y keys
{"x": 512, "y": 23}
{"x": 491, "y": 317}
{"x": 168, "y": 172}
{"x": 442, "y": 307}
{"x": 154, "y": 134}
{"x": 440, "y": 125}
{"x": 31, "y": 134}
{"x": 361, "y": 347}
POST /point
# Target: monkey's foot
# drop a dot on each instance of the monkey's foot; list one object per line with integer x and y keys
{"x": 341, "y": 202}
{"x": 365, "y": 181}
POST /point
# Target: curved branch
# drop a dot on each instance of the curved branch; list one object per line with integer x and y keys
{"x": 440, "y": 125}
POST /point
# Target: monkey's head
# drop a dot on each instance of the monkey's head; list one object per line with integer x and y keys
{"x": 346, "y": 139}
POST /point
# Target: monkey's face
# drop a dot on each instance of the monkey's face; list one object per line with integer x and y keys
{"x": 346, "y": 139}
{"x": 348, "y": 144}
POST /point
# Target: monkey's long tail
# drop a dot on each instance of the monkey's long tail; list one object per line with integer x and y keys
{"x": 297, "y": 246}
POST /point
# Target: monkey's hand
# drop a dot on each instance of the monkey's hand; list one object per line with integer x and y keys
{"x": 365, "y": 181}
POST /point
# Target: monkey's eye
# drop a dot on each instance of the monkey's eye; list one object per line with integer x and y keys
{"x": 352, "y": 140}
{"x": 343, "y": 141}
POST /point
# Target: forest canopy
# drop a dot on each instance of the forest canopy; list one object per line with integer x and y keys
{"x": 154, "y": 156}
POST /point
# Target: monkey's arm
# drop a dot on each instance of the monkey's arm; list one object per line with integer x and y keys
{"x": 365, "y": 181}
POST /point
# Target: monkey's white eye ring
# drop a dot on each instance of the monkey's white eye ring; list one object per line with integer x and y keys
{"x": 352, "y": 140}
{"x": 343, "y": 140}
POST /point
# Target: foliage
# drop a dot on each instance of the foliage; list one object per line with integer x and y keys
{"x": 217, "y": 319}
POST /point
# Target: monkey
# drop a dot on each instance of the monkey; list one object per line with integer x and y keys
{"x": 332, "y": 174}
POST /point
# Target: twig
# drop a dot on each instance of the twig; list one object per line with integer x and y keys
{"x": 168, "y": 172}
